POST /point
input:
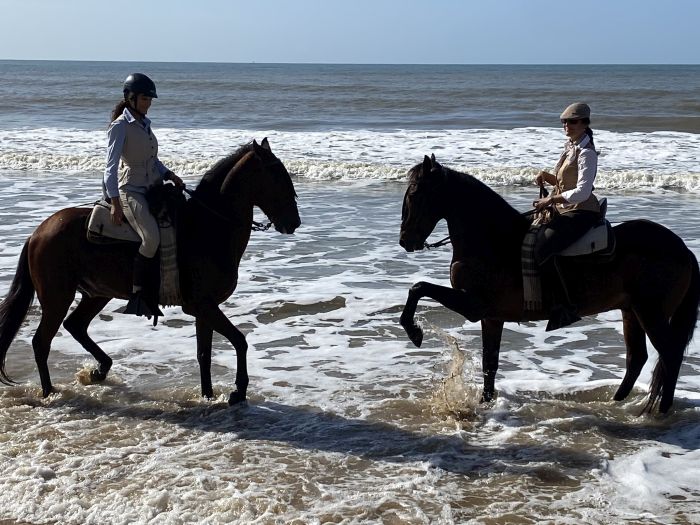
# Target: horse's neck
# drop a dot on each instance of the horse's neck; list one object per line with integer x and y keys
{"x": 480, "y": 222}
{"x": 229, "y": 224}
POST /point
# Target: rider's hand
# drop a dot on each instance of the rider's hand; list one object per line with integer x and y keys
{"x": 176, "y": 180}
{"x": 542, "y": 203}
{"x": 117, "y": 214}
{"x": 541, "y": 178}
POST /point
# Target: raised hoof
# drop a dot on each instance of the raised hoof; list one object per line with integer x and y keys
{"x": 415, "y": 334}
{"x": 236, "y": 398}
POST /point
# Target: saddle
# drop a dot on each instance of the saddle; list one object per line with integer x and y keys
{"x": 598, "y": 242}
{"x": 165, "y": 205}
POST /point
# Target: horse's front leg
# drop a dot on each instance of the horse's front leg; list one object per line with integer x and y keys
{"x": 491, "y": 331}
{"x": 214, "y": 318}
{"x": 204, "y": 338}
{"x": 456, "y": 300}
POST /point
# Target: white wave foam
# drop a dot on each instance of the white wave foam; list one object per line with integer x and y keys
{"x": 498, "y": 157}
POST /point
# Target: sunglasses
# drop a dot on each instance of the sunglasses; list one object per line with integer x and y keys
{"x": 570, "y": 121}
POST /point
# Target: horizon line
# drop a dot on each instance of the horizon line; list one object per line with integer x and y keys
{"x": 354, "y": 63}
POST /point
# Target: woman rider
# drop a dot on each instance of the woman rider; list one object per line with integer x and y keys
{"x": 131, "y": 141}
{"x": 573, "y": 199}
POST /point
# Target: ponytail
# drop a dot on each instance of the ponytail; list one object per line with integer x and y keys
{"x": 589, "y": 132}
{"x": 118, "y": 110}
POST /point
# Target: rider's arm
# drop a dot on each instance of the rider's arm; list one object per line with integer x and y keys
{"x": 587, "y": 169}
{"x": 116, "y": 134}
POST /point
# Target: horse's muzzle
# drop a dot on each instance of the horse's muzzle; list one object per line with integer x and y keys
{"x": 288, "y": 228}
{"x": 410, "y": 246}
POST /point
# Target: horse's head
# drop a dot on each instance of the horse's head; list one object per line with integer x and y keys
{"x": 423, "y": 203}
{"x": 270, "y": 185}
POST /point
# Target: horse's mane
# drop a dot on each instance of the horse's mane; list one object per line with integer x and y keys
{"x": 471, "y": 186}
{"x": 214, "y": 177}
{"x": 486, "y": 207}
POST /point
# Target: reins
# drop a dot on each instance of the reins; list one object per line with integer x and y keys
{"x": 256, "y": 226}
{"x": 447, "y": 240}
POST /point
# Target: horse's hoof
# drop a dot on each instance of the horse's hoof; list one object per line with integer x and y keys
{"x": 487, "y": 396}
{"x": 96, "y": 376}
{"x": 415, "y": 334}
{"x": 236, "y": 397}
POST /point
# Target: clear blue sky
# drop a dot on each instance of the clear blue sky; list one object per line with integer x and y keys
{"x": 354, "y": 31}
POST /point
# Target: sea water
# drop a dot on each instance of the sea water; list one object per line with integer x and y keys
{"x": 348, "y": 422}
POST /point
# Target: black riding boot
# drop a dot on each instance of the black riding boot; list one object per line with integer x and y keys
{"x": 141, "y": 302}
{"x": 562, "y": 312}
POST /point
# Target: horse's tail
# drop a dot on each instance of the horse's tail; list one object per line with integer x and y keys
{"x": 14, "y": 309}
{"x": 683, "y": 323}
{"x": 685, "y": 317}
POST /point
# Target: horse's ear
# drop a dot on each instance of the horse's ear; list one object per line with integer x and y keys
{"x": 432, "y": 158}
{"x": 427, "y": 164}
{"x": 257, "y": 148}
{"x": 265, "y": 144}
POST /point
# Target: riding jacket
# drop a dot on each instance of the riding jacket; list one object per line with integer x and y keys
{"x": 133, "y": 143}
{"x": 575, "y": 173}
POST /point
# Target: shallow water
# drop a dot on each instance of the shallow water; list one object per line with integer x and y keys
{"x": 346, "y": 421}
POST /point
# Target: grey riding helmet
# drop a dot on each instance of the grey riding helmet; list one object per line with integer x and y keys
{"x": 139, "y": 84}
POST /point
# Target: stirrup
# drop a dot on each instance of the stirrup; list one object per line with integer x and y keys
{"x": 562, "y": 316}
{"x": 137, "y": 305}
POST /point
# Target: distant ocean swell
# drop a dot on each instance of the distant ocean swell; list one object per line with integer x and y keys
{"x": 666, "y": 160}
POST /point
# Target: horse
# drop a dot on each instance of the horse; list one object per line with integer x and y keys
{"x": 213, "y": 231}
{"x": 652, "y": 277}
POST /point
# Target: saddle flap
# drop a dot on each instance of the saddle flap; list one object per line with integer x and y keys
{"x": 597, "y": 239}
{"x": 100, "y": 225}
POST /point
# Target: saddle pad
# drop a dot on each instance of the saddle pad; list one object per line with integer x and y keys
{"x": 100, "y": 224}
{"x": 100, "y": 229}
{"x": 169, "y": 292}
{"x": 532, "y": 284}
{"x": 594, "y": 240}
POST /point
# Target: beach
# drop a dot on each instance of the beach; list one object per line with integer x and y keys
{"x": 346, "y": 421}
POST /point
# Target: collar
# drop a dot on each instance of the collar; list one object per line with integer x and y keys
{"x": 582, "y": 143}
{"x": 131, "y": 119}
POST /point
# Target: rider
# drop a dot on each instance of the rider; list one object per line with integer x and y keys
{"x": 573, "y": 199}
{"x": 131, "y": 140}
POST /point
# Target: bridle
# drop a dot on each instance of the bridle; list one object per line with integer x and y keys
{"x": 256, "y": 226}
{"x": 447, "y": 240}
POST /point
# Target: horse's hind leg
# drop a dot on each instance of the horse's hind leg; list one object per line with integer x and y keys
{"x": 52, "y": 313}
{"x": 77, "y": 324}
{"x": 670, "y": 351}
{"x": 636, "y": 343}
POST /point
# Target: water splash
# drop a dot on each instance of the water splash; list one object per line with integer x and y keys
{"x": 458, "y": 393}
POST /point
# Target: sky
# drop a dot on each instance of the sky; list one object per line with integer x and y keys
{"x": 354, "y": 31}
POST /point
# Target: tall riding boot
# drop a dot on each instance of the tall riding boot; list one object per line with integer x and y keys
{"x": 140, "y": 302}
{"x": 562, "y": 312}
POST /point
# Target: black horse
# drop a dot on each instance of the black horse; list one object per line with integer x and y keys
{"x": 652, "y": 277}
{"x": 214, "y": 229}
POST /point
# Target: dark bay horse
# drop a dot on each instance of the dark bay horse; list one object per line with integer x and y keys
{"x": 213, "y": 232}
{"x": 652, "y": 277}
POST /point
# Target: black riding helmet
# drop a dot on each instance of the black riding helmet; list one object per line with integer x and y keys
{"x": 139, "y": 84}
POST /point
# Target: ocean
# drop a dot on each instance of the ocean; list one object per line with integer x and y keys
{"x": 347, "y": 422}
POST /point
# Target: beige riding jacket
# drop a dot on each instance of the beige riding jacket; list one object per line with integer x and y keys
{"x": 575, "y": 173}
{"x": 132, "y": 145}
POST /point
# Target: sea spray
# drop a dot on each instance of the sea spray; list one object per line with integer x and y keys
{"x": 458, "y": 393}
